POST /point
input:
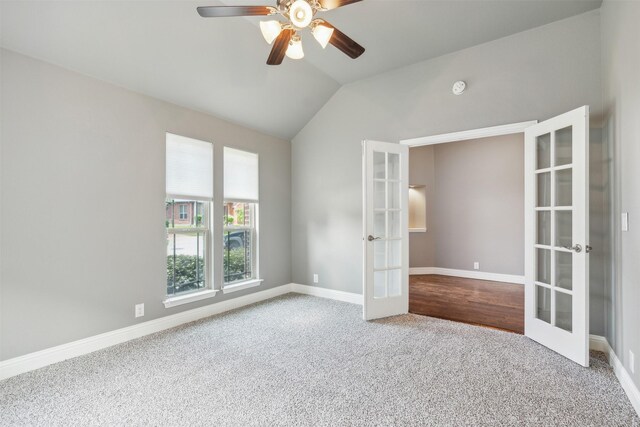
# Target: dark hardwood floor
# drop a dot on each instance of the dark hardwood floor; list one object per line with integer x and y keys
{"x": 479, "y": 302}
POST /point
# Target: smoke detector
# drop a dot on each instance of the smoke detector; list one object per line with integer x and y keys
{"x": 458, "y": 87}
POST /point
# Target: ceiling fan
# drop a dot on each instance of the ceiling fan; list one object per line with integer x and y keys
{"x": 299, "y": 14}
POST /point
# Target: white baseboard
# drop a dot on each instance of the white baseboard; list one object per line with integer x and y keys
{"x": 49, "y": 356}
{"x": 327, "y": 293}
{"x": 39, "y": 359}
{"x": 469, "y": 274}
{"x": 601, "y": 344}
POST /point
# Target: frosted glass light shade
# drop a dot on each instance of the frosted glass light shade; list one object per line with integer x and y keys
{"x": 270, "y": 30}
{"x": 189, "y": 167}
{"x": 322, "y": 34}
{"x": 300, "y": 14}
{"x": 240, "y": 175}
{"x": 294, "y": 51}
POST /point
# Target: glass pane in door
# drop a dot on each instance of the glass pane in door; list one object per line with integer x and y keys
{"x": 564, "y": 140}
{"x": 563, "y": 187}
{"x": 394, "y": 194}
{"x": 395, "y": 253}
{"x": 543, "y": 272}
{"x": 544, "y": 189}
{"x": 394, "y": 278}
{"x": 544, "y": 228}
{"x": 379, "y": 163}
{"x": 379, "y": 284}
{"x": 563, "y": 311}
{"x": 379, "y": 224}
{"x": 393, "y": 166}
{"x": 564, "y": 228}
{"x": 543, "y": 303}
{"x": 543, "y": 151}
{"x": 395, "y": 229}
{"x": 379, "y": 254}
{"x": 379, "y": 195}
{"x": 564, "y": 270}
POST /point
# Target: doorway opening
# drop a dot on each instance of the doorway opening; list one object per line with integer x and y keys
{"x": 466, "y": 227}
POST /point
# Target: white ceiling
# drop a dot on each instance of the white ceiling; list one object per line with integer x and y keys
{"x": 217, "y": 65}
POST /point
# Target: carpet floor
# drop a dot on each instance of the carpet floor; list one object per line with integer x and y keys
{"x": 300, "y": 360}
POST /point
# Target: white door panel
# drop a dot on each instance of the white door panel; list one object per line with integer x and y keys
{"x": 385, "y": 229}
{"x": 556, "y": 234}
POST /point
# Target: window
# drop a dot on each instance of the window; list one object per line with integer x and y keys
{"x": 189, "y": 186}
{"x": 240, "y": 242}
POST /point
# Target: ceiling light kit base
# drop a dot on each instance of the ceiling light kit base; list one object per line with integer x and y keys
{"x": 298, "y": 15}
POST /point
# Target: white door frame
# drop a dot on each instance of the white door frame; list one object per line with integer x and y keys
{"x": 465, "y": 135}
{"x": 469, "y": 134}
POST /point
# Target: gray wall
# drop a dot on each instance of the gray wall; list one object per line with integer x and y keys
{"x": 478, "y": 208}
{"x": 422, "y": 171}
{"x": 82, "y": 205}
{"x": 532, "y": 75}
{"x": 621, "y": 68}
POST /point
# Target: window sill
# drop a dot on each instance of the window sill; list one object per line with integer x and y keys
{"x": 185, "y": 299}
{"x": 242, "y": 285}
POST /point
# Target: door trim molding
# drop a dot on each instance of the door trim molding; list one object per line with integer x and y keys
{"x": 468, "y": 134}
{"x": 469, "y": 274}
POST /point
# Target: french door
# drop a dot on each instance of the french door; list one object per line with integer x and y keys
{"x": 556, "y": 234}
{"x": 385, "y": 229}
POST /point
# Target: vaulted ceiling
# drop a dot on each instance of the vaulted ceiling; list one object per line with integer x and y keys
{"x": 217, "y": 65}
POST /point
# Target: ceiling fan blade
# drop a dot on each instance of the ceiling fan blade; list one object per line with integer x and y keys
{"x": 224, "y": 11}
{"x": 280, "y": 46}
{"x": 345, "y": 43}
{"x": 334, "y": 4}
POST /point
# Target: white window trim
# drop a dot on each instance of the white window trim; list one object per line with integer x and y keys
{"x": 238, "y": 286}
{"x": 190, "y": 297}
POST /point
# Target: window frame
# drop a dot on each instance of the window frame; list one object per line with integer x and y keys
{"x": 255, "y": 265}
{"x": 180, "y": 209}
{"x": 206, "y": 231}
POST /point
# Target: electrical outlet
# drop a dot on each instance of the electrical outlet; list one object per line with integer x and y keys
{"x": 315, "y": 278}
{"x": 624, "y": 222}
{"x": 476, "y": 265}
{"x": 139, "y": 310}
{"x": 632, "y": 362}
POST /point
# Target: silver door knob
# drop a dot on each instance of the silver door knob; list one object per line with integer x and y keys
{"x": 576, "y": 248}
{"x": 371, "y": 238}
{"x": 588, "y": 249}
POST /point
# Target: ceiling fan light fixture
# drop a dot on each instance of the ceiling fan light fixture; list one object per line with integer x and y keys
{"x": 300, "y": 13}
{"x": 322, "y": 34}
{"x": 270, "y": 30}
{"x": 294, "y": 51}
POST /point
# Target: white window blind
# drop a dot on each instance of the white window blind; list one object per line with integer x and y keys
{"x": 240, "y": 175}
{"x": 189, "y": 167}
